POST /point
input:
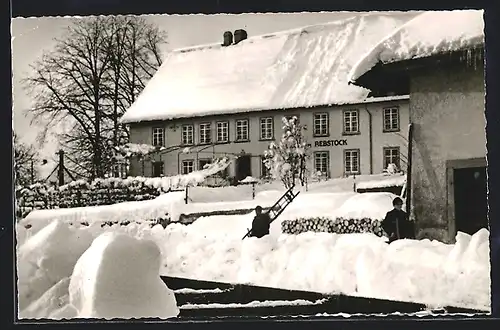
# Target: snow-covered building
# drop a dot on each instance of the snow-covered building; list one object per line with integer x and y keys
{"x": 230, "y": 99}
{"x": 440, "y": 55}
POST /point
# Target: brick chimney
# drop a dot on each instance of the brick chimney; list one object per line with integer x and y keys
{"x": 239, "y": 35}
{"x": 228, "y": 39}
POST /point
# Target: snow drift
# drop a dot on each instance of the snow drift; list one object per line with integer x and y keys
{"x": 46, "y": 258}
{"x": 118, "y": 277}
{"x": 352, "y": 264}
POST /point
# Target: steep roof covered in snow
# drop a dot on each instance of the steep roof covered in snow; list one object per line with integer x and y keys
{"x": 298, "y": 68}
{"x": 430, "y": 33}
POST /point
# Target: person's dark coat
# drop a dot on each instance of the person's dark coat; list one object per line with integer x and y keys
{"x": 397, "y": 225}
{"x": 260, "y": 225}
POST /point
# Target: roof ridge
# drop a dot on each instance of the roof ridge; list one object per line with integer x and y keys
{"x": 287, "y": 32}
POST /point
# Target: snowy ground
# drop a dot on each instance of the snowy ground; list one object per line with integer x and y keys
{"x": 211, "y": 249}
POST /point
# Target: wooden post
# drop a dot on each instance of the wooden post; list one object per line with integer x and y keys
{"x": 187, "y": 195}
{"x": 354, "y": 184}
{"x": 253, "y": 190}
{"x": 408, "y": 170}
{"x": 32, "y": 172}
{"x": 60, "y": 172}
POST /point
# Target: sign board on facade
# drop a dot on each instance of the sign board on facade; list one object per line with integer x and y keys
{"x": 330, "y": 143}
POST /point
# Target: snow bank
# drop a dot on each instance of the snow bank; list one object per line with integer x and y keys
{"x": 53, "y": 304}
{"x": 127, "y": 211}
{"x": 116, "y": 266}
{"x": 300, "y": 68}
{"x": 118, "y": 277}
{"x": 397, "y": 180}
{"x": 249, "y": 179}
{"x": 316, "y": 205}
{"x": 46, "y": 258}
{"x": 265, "y": 201}
{"x": 425, "y": 36}
{"x": 367, "y": 205}
{"x": 355, "y": 264}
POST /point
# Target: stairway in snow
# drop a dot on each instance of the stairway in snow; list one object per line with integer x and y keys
{"x": 202, "y": 300}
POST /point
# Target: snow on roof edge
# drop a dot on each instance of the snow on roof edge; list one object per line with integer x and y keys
{"x": 370, "y": 59}
{"x": 367, "y": 100}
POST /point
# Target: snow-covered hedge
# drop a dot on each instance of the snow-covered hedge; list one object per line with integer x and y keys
{"x": 35, "y": 197}
{"x": 108, "y": 191}
{"x": 328, "y": 225}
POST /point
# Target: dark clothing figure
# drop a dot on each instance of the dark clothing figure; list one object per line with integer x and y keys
{"x": 397, "y": 225}
{"x": 260, "y": 224}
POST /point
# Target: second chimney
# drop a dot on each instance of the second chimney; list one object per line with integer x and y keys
{"x": 239, "y": 35}
{"x": 228, "y": 39}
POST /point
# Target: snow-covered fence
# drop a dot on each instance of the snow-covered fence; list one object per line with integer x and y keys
{"x": 329, "y": 225}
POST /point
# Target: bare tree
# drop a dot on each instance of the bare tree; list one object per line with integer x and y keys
{"x": 89, "y": 80}
{"x": 25, "y": 160}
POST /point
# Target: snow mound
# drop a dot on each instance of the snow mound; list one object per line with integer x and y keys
{"x": 367, "y": 205}
{"x": 46, "y": 258}
{"x": 316, "y": 205}
{"x": 353, "y": 264}
{"x": 299, "y": 68}
{"x": 118, "y": 277}
{"x": 126, "y": 211}
{"x": 395, "y": 180}
{"x": 53, "y": 304}
{"x": 424, "y": 36}
{"x": 249, "y": 179}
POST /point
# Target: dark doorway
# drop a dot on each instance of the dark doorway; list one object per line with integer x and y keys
{"x": 471, "y": 206}
{"x": 243, "y": 167}
{"x": 157, "y": 169}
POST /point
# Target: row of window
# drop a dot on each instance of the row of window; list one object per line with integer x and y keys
{"x": 352, "y": 160}
{"x": 321, "y": 162}
{"x": 242, "y": 129}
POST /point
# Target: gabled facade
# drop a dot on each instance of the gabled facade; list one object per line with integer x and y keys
{"x": 446, "y": 111}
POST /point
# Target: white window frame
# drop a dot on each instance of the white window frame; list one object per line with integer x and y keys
{"x": 320, "y": 124}
{"x": 222, "y": 131}
{"x": 242, "y": 130}
{"x": 349, "y": 156}
{"x": 187, "y": 134}
{"x": 187, "y": 166}
{"x": 351, "y": 121}
{"x": 391, "y": 116}
{"x": 394, "y": 153}
{"x": 322, "y": 156}
{"x": 158, "y": 137}
{"x": 266, "y": 128}
{"x": 205, "y": 133}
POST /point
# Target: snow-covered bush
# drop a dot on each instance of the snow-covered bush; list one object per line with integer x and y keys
{"x": 328, "y": 225}
{"x": 391, "y": 169}
{"x": 287, "y": 160}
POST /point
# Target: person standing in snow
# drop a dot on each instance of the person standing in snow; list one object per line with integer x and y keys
{"x": 260, "y": 223}
{"x": 396, "y": 223}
